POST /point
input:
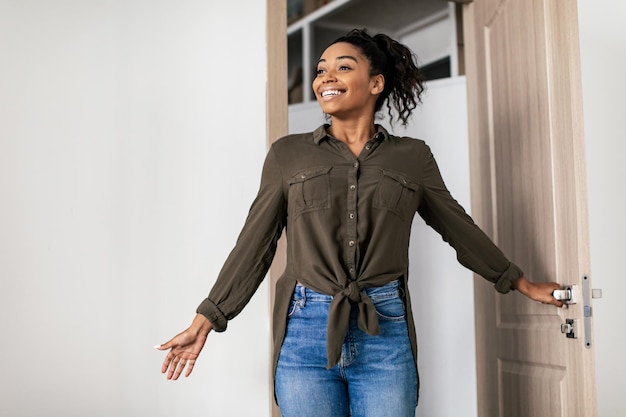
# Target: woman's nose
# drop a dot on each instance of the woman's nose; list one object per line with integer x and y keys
{"x": 329, "y": 75}
{"x": 329, "y": 78}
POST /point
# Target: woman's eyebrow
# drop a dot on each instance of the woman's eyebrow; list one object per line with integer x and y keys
{"x": 340, "y": 57}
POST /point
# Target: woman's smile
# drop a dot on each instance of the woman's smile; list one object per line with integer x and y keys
{"x": 330, "y": 94}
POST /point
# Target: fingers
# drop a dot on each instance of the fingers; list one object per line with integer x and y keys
{"x": 555, "y": 302}
{"x": 175, "y": 363}
{"x": 543, "y": 293}
{"x": 550, "y": 288}
{"x": 553, "y": 287}
{"x": 178, "y": 366}
{"x": 167, "y": 362}
{"x": 190, "y": 365}
{"x": 182, "y": 355}
{"x": 174, "y": 371}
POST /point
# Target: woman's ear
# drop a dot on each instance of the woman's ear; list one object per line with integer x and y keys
{"x": 377, "y": 84}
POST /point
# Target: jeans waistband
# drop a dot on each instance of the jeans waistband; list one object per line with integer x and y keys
{"x": 389, "y": 290}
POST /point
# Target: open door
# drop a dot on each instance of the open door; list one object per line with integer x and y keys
{"x": 529, "y": 193}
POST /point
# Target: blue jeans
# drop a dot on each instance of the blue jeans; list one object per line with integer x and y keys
{"x": 375, "y": 377}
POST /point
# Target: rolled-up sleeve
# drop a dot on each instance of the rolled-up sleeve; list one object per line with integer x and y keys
{"x": 248, "y": 262}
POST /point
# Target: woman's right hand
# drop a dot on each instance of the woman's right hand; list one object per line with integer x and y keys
{"x": 185, "y": 348}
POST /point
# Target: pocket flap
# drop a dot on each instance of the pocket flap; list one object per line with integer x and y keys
{"x": 308, "y": 174}
{"x": 401, "y": 179}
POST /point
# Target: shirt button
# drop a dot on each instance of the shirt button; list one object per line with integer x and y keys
{"x": 352, "y": 187}
{"x": 351, "y": 271}
{"x": 368, "y": 147}
{"x": 351, "y": 243}
{"x": 356, "y": 164}
{"x": 351, "y": 216}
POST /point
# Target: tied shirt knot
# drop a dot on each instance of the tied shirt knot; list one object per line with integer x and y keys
{"x": 339, "y": 318}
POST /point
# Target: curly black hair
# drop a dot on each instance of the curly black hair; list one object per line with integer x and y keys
{"x": 404, "y": 83}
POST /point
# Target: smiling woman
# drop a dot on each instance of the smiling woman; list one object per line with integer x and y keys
{"x": 346, "y": 195}
{"x": 343, "y": 85}
{"x": 356, "y": 58}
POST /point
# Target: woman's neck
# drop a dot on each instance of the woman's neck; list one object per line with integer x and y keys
{"x": 352, "y": 132}
{"x": 355, "y": 134}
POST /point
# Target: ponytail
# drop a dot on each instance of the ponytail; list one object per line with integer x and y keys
{"x": 404, "y": 83}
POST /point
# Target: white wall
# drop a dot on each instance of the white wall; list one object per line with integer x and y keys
{"x": 442, "y": 290}
{"x": 128, "y": 160}
{"x": 603, "y": 53}
{"x": 114, "y": 132}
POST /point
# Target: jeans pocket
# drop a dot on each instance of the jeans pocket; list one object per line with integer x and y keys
{"x": 390, "y": 309}
{"x": 294, "y": 308}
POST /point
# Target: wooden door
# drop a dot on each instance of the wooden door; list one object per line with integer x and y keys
{"x": 528, "y": 193}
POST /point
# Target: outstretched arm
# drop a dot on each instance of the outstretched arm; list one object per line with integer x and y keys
{"x": 185, "y": 348}
{"x": 541, "y": 292}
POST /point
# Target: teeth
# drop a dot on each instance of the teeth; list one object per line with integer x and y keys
{"x": 331, "y": 93}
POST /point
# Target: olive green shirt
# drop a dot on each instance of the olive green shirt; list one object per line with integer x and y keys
{"x": 348, "y": 222}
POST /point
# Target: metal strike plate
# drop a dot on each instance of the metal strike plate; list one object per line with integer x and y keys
{"x": 570, "y": 294}
{"x": 587, "y": 311}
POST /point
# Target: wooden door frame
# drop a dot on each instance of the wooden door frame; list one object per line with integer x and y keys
{"x": 277, "y": 126}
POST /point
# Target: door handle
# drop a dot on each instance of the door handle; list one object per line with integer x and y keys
{"x": 569, "y": 294}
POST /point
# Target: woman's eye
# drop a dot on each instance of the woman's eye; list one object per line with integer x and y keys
{"x": 344, "y": 68}
{"x": 320, "y": 71}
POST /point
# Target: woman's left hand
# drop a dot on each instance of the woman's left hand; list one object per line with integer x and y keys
{"x": 185, "y": 348}
{"x": 541, "y": 292}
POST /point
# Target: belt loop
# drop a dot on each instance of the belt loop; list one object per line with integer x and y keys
{"x": 303, "y": 296}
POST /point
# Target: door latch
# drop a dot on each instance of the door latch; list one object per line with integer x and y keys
{"x": 570, "y": 294}
{"x": 569, "y": 328}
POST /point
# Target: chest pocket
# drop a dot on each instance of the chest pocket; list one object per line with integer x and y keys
{"x": 309, "y": 190}
{"x": 397, "y": 194}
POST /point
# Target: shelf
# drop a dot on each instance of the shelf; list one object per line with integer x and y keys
{"x": 308, "y": 36}
{"x": 388, "y": 17}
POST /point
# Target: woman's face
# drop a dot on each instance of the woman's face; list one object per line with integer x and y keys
{"x": 343, "y": 85}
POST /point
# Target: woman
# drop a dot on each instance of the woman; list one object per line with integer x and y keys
{"x": 343, "y": 331}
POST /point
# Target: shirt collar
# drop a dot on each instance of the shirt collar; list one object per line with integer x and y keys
{"x": 320, "y": 133}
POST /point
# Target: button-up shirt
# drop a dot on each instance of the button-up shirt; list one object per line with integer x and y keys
{"x": 348, "y": 222}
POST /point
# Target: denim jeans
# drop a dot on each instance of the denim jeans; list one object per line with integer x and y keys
{"x": 375, "y": 377}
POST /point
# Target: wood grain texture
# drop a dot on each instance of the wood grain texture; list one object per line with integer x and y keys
{"x": 529, "y": 194}
{"x": 276, "y": 123}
